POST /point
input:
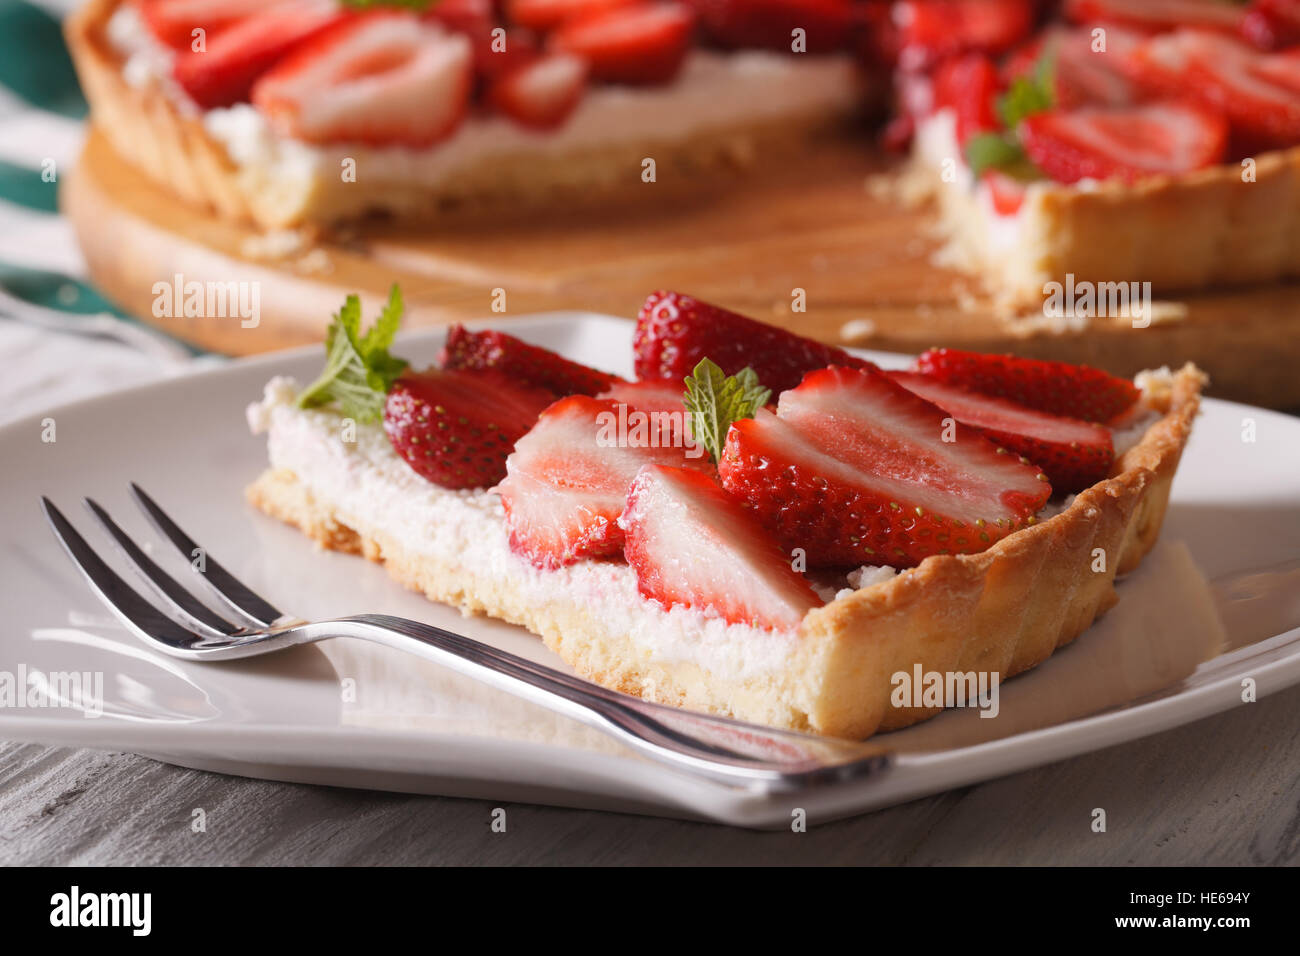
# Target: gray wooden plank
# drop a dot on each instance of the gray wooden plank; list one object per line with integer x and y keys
{"x": 1225, "y": 790}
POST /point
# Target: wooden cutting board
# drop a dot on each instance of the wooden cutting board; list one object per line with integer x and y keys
{"x": 863, "y": 263}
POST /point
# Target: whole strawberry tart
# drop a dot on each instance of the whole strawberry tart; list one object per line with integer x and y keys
{"x": 759, "y": 525}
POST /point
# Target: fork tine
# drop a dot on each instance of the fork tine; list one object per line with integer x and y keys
{"x": 194, "y": 612}
{"x": 224, "y": 584}
{"x": 141, "y": 618}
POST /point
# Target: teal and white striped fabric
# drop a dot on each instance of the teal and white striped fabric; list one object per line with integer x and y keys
{"x": 84, "y": 345}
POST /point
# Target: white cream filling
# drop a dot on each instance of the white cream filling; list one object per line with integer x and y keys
{"x": 370, "y": 488}
{"x": 714, "y": 92}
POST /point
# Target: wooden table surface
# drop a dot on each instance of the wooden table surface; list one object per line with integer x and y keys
{"x": 1223, "y": 791}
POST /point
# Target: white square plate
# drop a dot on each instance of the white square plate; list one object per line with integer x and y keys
{"x": 1190, "y": 627}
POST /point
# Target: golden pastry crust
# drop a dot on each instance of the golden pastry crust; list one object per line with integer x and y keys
{"x": 1206, "y": 229}
{"x": 1004, "y": 610}
{"x": 146, "y": 128}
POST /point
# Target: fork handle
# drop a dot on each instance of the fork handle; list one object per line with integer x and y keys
{"x": 717, "y": 748}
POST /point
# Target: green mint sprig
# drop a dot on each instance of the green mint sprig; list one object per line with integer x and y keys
{"x": 358, "y": 369}
{"x": 1029, "y": 94}
{"x": 714, "y": 400}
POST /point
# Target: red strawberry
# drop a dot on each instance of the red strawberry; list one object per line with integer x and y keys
{"x": 495, "y": 56}
{"x": 643, "y": 44}
{"x": 381, "y": 78}
{"x": 693, "y": 546}
{"x": 1075, "y": 391}
{"x": 1258, "y": 93}
{"x": 457, "y": 428}
{"x": 233, "y": 58}
{"x": 530, "y": 364}
{"x": 1073, "y": 454}
{"x": 543, "y": 93}
{"x": 1124, "y": 143}
{"x": 173, "y": 22}
{"x": 568, "y": 478}
{"x": 770, "y": 24}
{"x": 1006, "y": 192}
{"x": 544, "y": 15}
{"x": 931, "y": 30}
{"x": 1272, "y": 24}
{"x": 1156, "y": 15}
{"x": 1082, "y": 74}
{"x": 473, "y": 17}
{"x": 674, "y": 332}
{"x": 854, "y": 469}
{"x": 651, "y": 396}
{"x": 968, "y": 85}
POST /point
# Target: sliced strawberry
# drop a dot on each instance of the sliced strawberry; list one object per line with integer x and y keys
{"x": 693, "y": 546}
{"x": 1272, "y": 24}
{"x": 1156, "y": 15}
{"x": 472, "y": 17}
{"x": 530, "y": 364}
{"x": 568, "y": 478}
{"x": 1082, "y": 73}
{"x": 457, "y": 428}
{"x": 1075, "y": 391}
{"x": 1124, "y": 143}
{"x": 643, "y": 44}
{"x": 1073, "y": 454}
{"x": 666, "y": 396}
{"x": 855, "y": 469}
{"x": 1006, "y": 192}
{"x": 381, "y": 78}
{"x": 674, "y": 332}
{"x": 770, "y": 24}
{"x": 173, "y": 22}
{"x": 932, "y": 30}
{"x": 968, "y": 85}
{"x": 232, "y": 59}
{"x": 546, "y": 15}
{"x": 494, "y": 57}
{"x": 1258, "y": 93}
{"x": 541, "y": 94}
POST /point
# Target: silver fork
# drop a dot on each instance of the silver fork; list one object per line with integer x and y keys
{"x": 720, "y": 749}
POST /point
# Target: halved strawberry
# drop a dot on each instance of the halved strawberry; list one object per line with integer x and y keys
{"x": 173, "y": 22}
{"x": 380, "y": 78}
{"x": 1156, "y": 15}
{"x": 693, "y": 546}
{"x": 522, "y": 362}
{"x": 544, "y": 15}
{"x": 770, "y": 24}
{"x": 541, "y": 94}
{"x": 650, "y": 396}
{"x": 1272, "y": 24}
{"x": 568, "y": 478}
{"x": 674, "y": 332}
{"x": 1124, "y": 143}
{"x": 1073, "y": 454}
{"x": 457, "y": 428}
{"x": 1258, "y": 93}
{"x": 968, "y": 85}
{"x": 932, "y": 30}
{"x": 1075, "y": 391}
{"x": 855, "y": 469}
{"x": 233, "y": 58}
{"x": 643, "y": 44}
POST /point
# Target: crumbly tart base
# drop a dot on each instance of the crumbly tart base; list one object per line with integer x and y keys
{"x": 1004, "y": 610}
{"x": 1207, "y": 229}
{"x": 147, "y": 129}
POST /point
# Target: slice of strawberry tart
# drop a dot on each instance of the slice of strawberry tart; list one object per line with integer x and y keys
{"x": 290, "y": 112}
{"x": 1136, "y": 141}
{"x": 760, "y": 525}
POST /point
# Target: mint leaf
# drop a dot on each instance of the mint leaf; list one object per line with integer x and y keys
{"x": 992, "y": 151}
{"x": 715, "y": 400}
{"x": 1029, "y": 94}
{"x": 419, "y": 6}
{"x": 358, "y": 369}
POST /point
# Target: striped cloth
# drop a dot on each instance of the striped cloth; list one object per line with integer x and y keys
{"x": 82, "y": 345}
